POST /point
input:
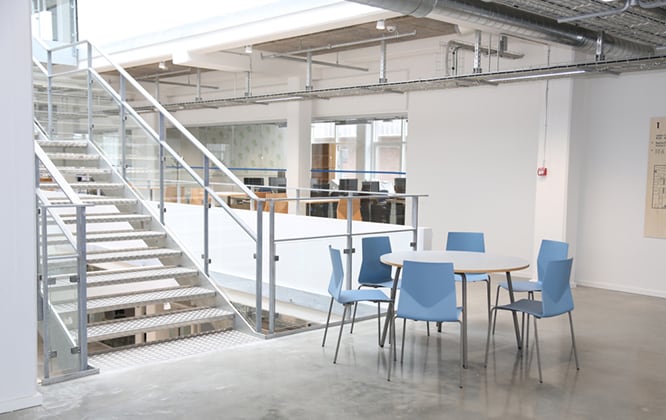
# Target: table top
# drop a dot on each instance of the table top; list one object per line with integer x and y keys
{"x": 463, "y": 262}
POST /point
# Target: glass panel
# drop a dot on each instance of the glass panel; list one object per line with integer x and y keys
{"x": 59, "y": 327}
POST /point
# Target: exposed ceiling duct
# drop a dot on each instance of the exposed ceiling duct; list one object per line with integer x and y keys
{"x": 513, "y": 21}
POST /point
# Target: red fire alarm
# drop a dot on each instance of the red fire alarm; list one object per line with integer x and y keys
{"x": 542, "y": 171}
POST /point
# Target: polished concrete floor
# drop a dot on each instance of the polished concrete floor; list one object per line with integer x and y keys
{"x": 621, "y": 345}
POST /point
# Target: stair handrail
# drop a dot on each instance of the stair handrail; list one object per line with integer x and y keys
{"x": 78, "y": 244}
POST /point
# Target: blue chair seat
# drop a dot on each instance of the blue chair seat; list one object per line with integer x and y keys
{"x": 522, "y": 286}
{"x": 472, "y": 277}
{"x": 386, "y": 284}
{"x": 370, "y": 295}
{"x": 528, "y": 306}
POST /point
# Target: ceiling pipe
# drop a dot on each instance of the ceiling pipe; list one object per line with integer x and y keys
{"x": 627, "y": 5}
{"x": 510, "y": 20}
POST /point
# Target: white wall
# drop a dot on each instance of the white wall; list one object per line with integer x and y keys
{"x": 18, "y": 352}
{"x": 610, "y": 133}
{"x": 474, "y": 152}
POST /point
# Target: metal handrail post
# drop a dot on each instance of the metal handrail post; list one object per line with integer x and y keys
{"x": 350, "y": 242}
{"x": 259, "y": 266}
{"x": 206, "y": 208}
{"x": 90, "y": 98}
{"x": 45, "y": 297}
{"x": 162, "y": 135}
{"x": 415, "y": 221}
{"x": 82, "y": 287}
{"x": 272, "y": 259}
{"x": 49, "y": 93}
{"x": 123, "y": 135}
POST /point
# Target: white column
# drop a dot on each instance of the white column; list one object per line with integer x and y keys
{"x": 299, "y": 117}
{"x": 550, "y": 215}
{"x": 18, "y": 352}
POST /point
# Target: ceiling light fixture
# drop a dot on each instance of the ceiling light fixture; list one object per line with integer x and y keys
{"x": 248, "y": 49}
{"x": 381, "y": 25}
{"x": 537, "y": 76}
{"x": 162, "y": 66}
{"x": 281, "y": 99}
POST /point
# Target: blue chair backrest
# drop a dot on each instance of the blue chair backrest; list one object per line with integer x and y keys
{"x": 465, "y": 241}
{"x": 337, "y": 274}
{"x": 549, "y": 251}
{"x": 428, "y": 292}
{"x": 556, "y": 290}
{"x": 372, "y": 269}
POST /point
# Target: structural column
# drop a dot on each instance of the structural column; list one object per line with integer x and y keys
{"x": 299, "y": 118}
{"x": 18, "y": 311}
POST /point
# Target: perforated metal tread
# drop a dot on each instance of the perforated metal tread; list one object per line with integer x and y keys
{"x": 153, "y": 323}
{"x": 139, "y": 299}
{"x": 134, "y": 254}
{"x": 62, "y": 143}
{"x": 83, "y": 170}
{"x": 87, "y": 185}
{"x": 108, "y": 218}
{"x": 71, "y": 156}
{"x": 124, "y": 235}
{"x": 171, "y": 350}
{"x": 115, "y": 201}
{"x": 138, "y": 274}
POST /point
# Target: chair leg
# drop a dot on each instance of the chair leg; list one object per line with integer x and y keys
{"x": 460, "y": 367}
{"x": 342, "y": 324}
{"x": 428, "y": 328}
{"x": 536, "y": 340}
{"x": 379, "y": 324}
{"x": 404, "y": 330}
{"x": 391, "y": 347}
{"x": 488, "y": 299}
{"x": 351, "y": 330}
{"x": 328, "y": 318}
{"x": 573, "y": 340}
{"x": 496, "y": 303}
{"x": 485, "y": 360}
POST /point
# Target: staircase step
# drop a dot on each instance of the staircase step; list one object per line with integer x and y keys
{"x": 87, "y": 185}
{"x": 125, "y": 235}
{"x": 63, "y": 143}
{"x": 111, "y": 303}
{"x": 133, "y": 254}
{"x": 110, "y": 218}
{"x": 82, "y": 170}
{"x": 72, "y": 156}
{"x": 123, "y": 328}
{"x": 109, "y": 277}
{"x": 99, "y": 201}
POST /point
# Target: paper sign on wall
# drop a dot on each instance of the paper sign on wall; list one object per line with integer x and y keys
{"x": 655, "y": 198}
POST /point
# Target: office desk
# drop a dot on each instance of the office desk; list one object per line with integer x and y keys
{"x": 463, "y": 263}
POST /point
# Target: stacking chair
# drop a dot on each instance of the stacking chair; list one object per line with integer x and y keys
{"x": 373, "y": 272}
{"x": 556, "y": 300}
{"x": 474, "y": 242}
{"x": 548, "y": 251}
{"x": 349, "y": 297}
{"x": 428, "y": 293}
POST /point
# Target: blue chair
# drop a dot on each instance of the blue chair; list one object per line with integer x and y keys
{"x": 373, "y": 272}
{"x": 556, "y": 300}
{"x": 428, "y": 293}
{"x": 473, "y": 242}
{"x": 348, "y": 297}
{"x": 548, "y": 251}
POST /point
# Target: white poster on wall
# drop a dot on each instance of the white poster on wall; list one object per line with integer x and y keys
{"x": 655, "y": 198}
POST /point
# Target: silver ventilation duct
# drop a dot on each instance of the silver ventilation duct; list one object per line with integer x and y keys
{"x": 513, "y": 21}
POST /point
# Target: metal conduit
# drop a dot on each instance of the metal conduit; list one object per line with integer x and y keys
{"x": 509, "y": 20}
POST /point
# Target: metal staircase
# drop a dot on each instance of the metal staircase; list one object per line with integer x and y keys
{"x": 142, "y": 287}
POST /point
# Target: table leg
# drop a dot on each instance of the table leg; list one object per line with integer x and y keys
{"x": 389, "y": 311}
{"x": 515, "y": 316}
{"x": 464, "y": 320}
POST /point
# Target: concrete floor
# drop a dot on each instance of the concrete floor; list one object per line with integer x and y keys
{"x": 621, "y": 343}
